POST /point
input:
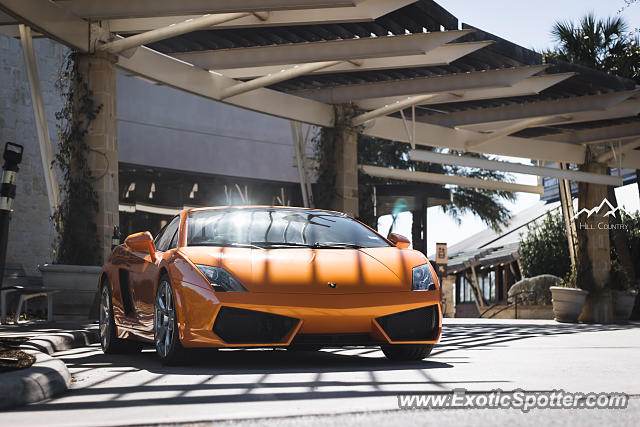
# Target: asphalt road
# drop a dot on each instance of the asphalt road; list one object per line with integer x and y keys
{"x": 354, "y": 386}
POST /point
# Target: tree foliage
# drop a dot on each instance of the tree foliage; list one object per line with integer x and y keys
{"x": 486, "y": 204}
{"x": 602, "y": 44}
{"x": 544, "y": 248}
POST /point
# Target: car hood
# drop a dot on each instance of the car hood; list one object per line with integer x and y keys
{"x": 321, "y": 271}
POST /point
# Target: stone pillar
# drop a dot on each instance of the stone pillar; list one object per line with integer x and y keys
{"x": 594, "y": 252}
{"x": 99, "y": 72}
{"x": 346, "y": 163}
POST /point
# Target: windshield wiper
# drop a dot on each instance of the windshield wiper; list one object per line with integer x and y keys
{"x": 227, "y": 245}
{"x": 246, "y": 245}
{"x": 283, "y": 244}
{"x": 328, "y": 245}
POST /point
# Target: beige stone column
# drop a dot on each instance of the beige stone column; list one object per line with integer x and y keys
{"x": 594, "y": 256}
{"x": 99, "y": 72}
{"x": 346, "y": 163}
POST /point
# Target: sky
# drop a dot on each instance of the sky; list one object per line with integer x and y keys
{"x": 527, "y": 24}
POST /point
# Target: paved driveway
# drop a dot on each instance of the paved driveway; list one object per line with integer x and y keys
{"x": 477, "y": 355}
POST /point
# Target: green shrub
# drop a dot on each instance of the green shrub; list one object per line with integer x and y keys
{"x": 544, "y": 248}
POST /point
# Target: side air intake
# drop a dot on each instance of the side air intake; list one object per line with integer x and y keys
{"x": 240, "y": 326}
{"x": 420, "y": 324}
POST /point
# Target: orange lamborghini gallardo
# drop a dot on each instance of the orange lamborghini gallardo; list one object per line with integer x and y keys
{"x": 295, "y": 278}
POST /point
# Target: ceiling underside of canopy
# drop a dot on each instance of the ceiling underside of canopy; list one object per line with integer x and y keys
{"x": 398, "y": 61}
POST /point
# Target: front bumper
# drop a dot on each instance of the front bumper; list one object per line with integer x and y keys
{"x": 208, "y": 319}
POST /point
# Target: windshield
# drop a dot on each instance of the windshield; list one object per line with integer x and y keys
{"x": 269, "y": 228}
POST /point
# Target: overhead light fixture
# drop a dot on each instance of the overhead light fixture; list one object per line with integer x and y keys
{"x": 194, "y": 190}
{"x": 132, "y": 187}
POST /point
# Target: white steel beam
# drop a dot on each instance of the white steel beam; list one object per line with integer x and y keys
{"x": 630, "y": 160}
{"x": 441, "y": 55}
{"x": 167, "y": 70}
{"x": 53, "y": 20}
{"x": 508, "y": 130}
{"x": 174, "y": 30}
{"x": 598, "y": 135}
{"x": 128, "y": 8}
{"x": 529, "y": 86}
{"x": 628, "y": 108}
{"x": 436, "y": 84}
{"x": 443, "y": 137}
{"x": 274, "y": 78}
{"x": 528, "y": 110}
{"x": 367, "y": 10}
{"x": 395, "y": 107}
{"x": 46, "y": 153}
{"x": 496, "y": 165}
{"x": 615, "y": 151}
{"x": 461, "y": 181}
{"x": 332, "y": 50}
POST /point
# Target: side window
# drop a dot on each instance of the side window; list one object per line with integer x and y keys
{"x": 174, "y": 240}
{"x": 164, "y": 238}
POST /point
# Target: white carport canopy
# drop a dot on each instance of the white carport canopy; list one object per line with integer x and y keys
{"x": 463, "y": 89}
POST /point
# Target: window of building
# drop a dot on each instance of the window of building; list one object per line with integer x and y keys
{"x": 487, "y": 282}
{"x": 464, "y": 293}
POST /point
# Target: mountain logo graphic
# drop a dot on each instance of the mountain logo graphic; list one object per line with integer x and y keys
{"x": 612, "y": 211}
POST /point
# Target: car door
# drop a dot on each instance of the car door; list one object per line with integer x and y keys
{"x": 145, "y": 272}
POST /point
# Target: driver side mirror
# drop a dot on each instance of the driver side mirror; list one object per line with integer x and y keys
{"x": 399, "y": 240}
{"x": 141, "y": 242}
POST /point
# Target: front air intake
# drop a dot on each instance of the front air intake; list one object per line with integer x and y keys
{"x": 421, "y": 324}
{"x": 240, "y": 326}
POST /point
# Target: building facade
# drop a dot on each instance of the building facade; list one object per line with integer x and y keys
{"x": 175, "y": 150}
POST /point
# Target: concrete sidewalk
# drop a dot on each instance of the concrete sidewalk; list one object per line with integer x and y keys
{"x": 353, "y": 386}
{"x": 47, "y": 377}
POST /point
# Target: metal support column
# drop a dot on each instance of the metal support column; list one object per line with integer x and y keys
{"x": 564, "y": 188}
{"x": 41, "y": 120}
{"x": 300, "y": 146}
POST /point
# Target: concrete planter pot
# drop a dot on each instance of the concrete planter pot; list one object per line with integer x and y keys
{"x": 567, "y": 303}
{"x": 78, "y": 285}
{"x": 623, "y": 302}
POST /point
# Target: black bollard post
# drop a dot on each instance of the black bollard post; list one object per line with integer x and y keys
{"x": 12, "y": 158}
{"x": 115, "y": 239}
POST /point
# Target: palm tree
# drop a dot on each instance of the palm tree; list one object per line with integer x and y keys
{"x": 486, "y": 204}
{"x": 604, "y": 45}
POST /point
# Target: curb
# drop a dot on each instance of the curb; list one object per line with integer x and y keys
{"x": 52, "y": 343}
{"x": 48, "y": 376}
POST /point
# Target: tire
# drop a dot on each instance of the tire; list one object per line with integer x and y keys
{"x": 407, "y": 352}
{"x": 109, "y": 340}
{"x": 165, "y": 325}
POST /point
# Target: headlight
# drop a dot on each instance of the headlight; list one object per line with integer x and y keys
{"x": 221, "y": 279}
{"x": 423, "y": 279}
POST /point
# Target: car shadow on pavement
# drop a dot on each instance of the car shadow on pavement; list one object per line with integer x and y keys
{"x": 262, "y": 375}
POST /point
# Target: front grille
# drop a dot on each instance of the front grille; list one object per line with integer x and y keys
{"x": 329, "y": 340}
{"x": 240, "y": 326}
{"x": 420, "y": 324}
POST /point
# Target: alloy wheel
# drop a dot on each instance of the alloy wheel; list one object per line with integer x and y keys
{"x": 105, "y": 316}
{"x": 164, "y": 319}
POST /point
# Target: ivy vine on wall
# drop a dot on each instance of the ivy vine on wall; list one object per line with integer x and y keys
{"x": 77, "y": 234}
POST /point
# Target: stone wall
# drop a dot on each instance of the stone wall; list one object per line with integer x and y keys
{"x": 31, "y": 233}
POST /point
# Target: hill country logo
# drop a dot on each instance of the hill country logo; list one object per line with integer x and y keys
{"x": 611, "y": 212}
